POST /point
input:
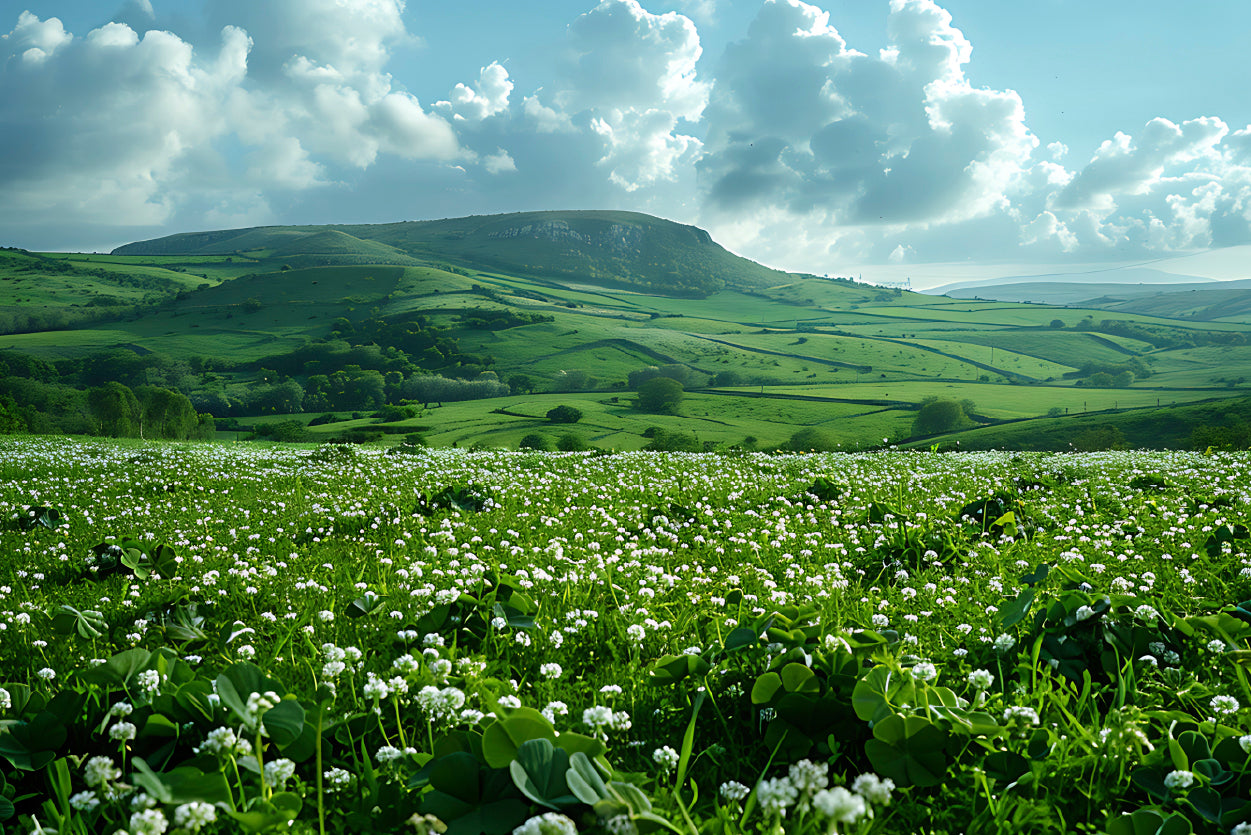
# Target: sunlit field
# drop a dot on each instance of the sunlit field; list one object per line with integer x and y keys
{"x": 235, "y": 638}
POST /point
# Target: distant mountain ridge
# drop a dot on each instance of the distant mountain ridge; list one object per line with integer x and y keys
{"x": 610, "y": 248}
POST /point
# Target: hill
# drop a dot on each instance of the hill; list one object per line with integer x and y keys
{"x": 616, "y": 249}
{"x": 469, "y": 331}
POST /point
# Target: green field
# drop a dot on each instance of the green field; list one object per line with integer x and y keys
{"x": 501, "y": 300}
{"x": 240, "y": 638}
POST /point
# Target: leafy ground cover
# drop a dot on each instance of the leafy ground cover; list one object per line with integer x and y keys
{"x": 223, "y": 638}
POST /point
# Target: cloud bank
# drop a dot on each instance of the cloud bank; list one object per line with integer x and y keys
{"x": 793, "y": 146}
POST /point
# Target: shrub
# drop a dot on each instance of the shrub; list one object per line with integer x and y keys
{"x": 569, "y": 442}
{"x": 938, "y": 416}
{"x": 661, "y": 395}
{"x": 811, "y": 439}
{"x": 564, "y": 414}
{"x": 670, "y": 440}
{"x": 535, "y": 441}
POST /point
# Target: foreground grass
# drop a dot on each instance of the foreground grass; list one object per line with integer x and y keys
{"x": 230, "y": 638}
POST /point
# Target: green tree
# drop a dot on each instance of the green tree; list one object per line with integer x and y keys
{"x": 659, "y": 395}
{"x": 569, "y": 442}
{"x": 535, "y": 441}
{"x": 564, "y": 414}
{"x": 939, "y": 415}
{"x": 811, "y": 439}
{"x": 166, "y": 414}
{"x": 117, "y": 409}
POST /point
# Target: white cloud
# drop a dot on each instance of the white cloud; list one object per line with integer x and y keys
{"x": 499, "y": 162}
{"x": 488, "y": 96}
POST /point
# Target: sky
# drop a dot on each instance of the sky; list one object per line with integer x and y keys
{"x": 815, "y": 138}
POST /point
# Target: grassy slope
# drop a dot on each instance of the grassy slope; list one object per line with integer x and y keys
{"x": 831, "y": 343}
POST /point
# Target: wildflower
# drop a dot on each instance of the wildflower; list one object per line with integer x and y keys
{"x": 149, "y": 682}
{"x": 1224, "y": 705}
{"x": 636, "y": 633}
{"x": 873, "y": 788}
{"x": 597, "y": 716}
{"x": 195, "y": 815}
{"x": 1241, "y": 829}
{"x": 1004, "y": 643}
{"x": 510, "y": 702}
{"x": 6, "y": 700}
{"x": 224, "y": 741}
{"x": 666, "y": 758}
{"x": 375, "y": 688}
{"x": 84, "y": 801}
{"x": 555, "y": 709}
{"x": 100, "y": 771}
{"x": 1244, "y": 742}
{"x": 551, "y": 670}
{"x": 278, "y": 772}
{"x": 1084, "y": 613}
{"x": 548, "y": 823}
{"x": 1020, "y": 716}
{"x": 1216, "y": 645}
{"x": 247, "y": 652}
{"x": 121, "y": 709}
{"x": 336, "y": 779}
{"x": 621, "y": 825}
{"x": 148, "y": 822}
{"x": 47, "y": 674}
{"x": 733, "y": 791}
{"x": 981, "y": 679}
{"x": 1177, "y": 780}
{"x": 325, "y": 616}
{"x": 389, "y": 753}
{"x": 123, "y": 732}
{"x": 840, "y": 805}
{"x": 924, "y": 671}
{"x": 776, "y": 795}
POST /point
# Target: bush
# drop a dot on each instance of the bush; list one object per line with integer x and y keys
{"x": 535, "y": 441}
{"x": 937, "y": 416}
{"x": 328, "y": 417}
{"x": 569, "y": 442}
{"x": 669, "y": 440}
{"x": 811, "y": 439}
{"x": 660, "y": 395}
{"x": 564, "y": 414}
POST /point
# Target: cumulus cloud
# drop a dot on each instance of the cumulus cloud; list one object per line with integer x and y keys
{"x": 842, "y": 140}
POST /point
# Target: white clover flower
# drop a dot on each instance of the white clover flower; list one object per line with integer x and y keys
{"x": 121, "y": 709}
{"x": 807, "y": 776}
{"x": 325, "y": 616}
{"x": 333, "y": 669}
{"x": 247, "y": 652}
{"x": 981, "y": 679}
{"x": 733, "y": 791}
{"x": 636, "y": 633}
{"x": 1176, "y": 780}
{"x": 873, "y": 788}
{"x": 224, "y": 741}
{"x": 840, "y": 805}
{"x": 1241, "y": 829}
{"x": 47, "y": 674}
{"x": 597, "y": 716}
{"x": 406, "y": 664}
{"x": 666, "y": 758}
{"x": 148, "y": 822}
{"x": 553, "y": 710}
{"x": 389, "y": 753}
{"x": 278, "y": 772}
{"x": 510, "y": 702}
{"x": 149, "y": 682}
{"x": 1020, "y": 715}
{"x": 123, "y": 732}
{"x": 1216, "y": 645}
{"x": 1224, "y": 705}
{"x": 195, "y": 815}
{"x": 1084, "y": 613}
{"x": 1004, "y": 643}
{"x": 1244, "y": 742}
{"x": 881, "y": 621}
{"x": 6, "y": 699}
{"x": 548, "y": 823}
{"x": 375, "y": 688}
{"x": 84, "y": 801}
{"x": 924, "y": 671}
{"x": 551, "y": 670}
{"x": 100, "y": 771}
{"x": 776, "y": 795}
{"x": 621, "y": 825}
{"x": 336, "y": 779}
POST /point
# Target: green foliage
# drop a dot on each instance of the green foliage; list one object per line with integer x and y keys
{"x": 659, "y": 395}
{"x": 535, "y": 441}
{"x": 937, "y": 416}
{"x": 564, "y": 414}
{"x": 811, "y": 439}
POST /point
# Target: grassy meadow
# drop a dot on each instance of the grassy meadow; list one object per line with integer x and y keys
{"x": 245, "y": 638}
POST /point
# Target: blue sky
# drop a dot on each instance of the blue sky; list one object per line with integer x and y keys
{"x": 816, "y": 137}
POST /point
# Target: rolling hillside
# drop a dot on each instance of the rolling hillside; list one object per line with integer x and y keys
{"x": 269, "y": 325}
